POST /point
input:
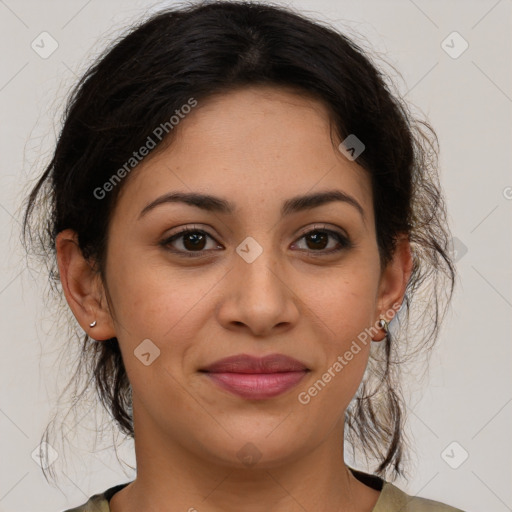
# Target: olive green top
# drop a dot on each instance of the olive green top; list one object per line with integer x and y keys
{"x": 391, "y": 498}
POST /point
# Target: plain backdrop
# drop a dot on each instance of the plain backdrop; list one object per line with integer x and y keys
{"x": 460, "y": 415}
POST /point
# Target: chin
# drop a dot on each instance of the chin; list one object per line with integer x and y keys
{"x": 258, "y": 450}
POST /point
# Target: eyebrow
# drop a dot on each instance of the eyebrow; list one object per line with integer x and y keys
{"x": 216, "y": 204}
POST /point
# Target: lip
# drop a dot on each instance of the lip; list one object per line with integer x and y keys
{"x": 243, "y": 363}
{"x": 256, "y": 378}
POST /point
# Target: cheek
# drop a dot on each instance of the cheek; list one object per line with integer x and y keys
{"x": 345, "y": 309}
{"x": 344, "y": 299}
{"x": 150, "y": 297}
{"x": 166, "y": 309}
{"x": 345, "y": 348}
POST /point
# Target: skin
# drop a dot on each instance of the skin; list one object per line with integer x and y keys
{"x": 256, "y": 147}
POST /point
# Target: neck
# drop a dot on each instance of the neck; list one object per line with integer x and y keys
{"x": 172, "y": 473}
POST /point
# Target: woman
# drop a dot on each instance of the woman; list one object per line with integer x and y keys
{"x": 241, "y": 213}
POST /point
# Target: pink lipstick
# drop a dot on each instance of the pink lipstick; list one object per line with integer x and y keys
{"x": 256, "y": 378}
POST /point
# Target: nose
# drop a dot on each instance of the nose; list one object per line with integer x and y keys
{"x": 258, "y": 296}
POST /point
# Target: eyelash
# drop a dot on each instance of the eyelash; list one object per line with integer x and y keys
{"x": 342, "y": 240}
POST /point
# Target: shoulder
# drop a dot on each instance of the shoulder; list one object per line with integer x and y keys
{"x": 98, "y": 502}
{"x": 392, "y": 498}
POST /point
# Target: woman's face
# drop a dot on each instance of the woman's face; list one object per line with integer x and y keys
{"x": 255, "y": 284}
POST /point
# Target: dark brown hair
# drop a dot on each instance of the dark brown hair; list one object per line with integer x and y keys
{"x": 210, "y": 48}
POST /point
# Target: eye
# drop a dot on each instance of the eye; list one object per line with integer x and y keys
{"x": 191, "y": 239}
{"x": 317, "y": 240}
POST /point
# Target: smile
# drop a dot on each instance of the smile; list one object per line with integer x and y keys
{"x": 256, "y": 378}
{"x": 257, "y": 386}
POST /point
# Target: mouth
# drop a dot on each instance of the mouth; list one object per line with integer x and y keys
{"x": 256, "y": 378}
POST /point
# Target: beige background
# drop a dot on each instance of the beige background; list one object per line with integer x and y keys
{"x": 467, "y": 398}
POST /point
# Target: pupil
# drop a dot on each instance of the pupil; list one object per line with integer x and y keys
{"x": 319, "y": 238}
{"x": 197, "y": 239}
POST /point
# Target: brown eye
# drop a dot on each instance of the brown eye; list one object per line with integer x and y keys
{"x": 188, "y": 241}
{"x": 193, "y": 241}
{"x": 317, "y": 240}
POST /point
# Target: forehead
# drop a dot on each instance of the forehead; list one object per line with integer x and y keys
{"x": 251, "y": 145}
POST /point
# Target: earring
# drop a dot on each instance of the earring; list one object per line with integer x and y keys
{"x": 92, "y": 324}
{"x": 383, "y": 325}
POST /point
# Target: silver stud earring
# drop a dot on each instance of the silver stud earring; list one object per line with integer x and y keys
{"x": 92, "y": 324}
{"x": 383, "y": 325}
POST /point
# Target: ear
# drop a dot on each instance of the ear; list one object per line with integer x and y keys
{"x": 83, "y": 288}
{"x": 393, "y": 282}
